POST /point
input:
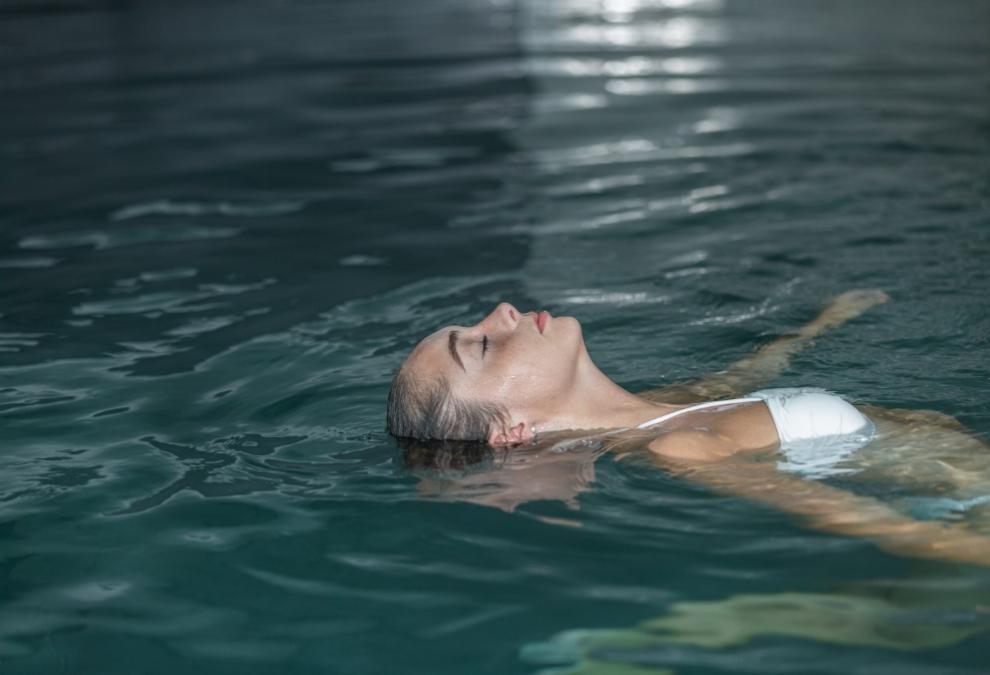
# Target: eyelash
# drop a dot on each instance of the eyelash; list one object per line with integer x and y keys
{"x": 484, "y": 345}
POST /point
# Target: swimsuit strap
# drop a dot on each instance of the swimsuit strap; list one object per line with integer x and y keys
{"x": 692, "y": 408}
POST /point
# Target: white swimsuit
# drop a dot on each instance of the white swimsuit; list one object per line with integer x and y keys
{"x": 817, "y": 429}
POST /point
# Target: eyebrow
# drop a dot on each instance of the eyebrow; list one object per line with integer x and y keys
{"x": 452, "y": 347}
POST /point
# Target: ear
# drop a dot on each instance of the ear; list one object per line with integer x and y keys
{"x": 515, "y": 435}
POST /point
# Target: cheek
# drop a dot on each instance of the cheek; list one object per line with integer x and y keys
{"x": 536, "y": 377}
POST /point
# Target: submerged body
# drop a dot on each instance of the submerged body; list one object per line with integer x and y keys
{"x": 521, "y": 379}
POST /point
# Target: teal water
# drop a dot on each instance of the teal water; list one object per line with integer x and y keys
{"x": 222, "y": 225}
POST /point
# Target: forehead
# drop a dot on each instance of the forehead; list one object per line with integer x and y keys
{"x": 439, "y": 334}
{"x": 431, "y": 354}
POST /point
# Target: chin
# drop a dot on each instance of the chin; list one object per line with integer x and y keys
{"x": 575, "y": 322}
{"x": 573, "y": 327}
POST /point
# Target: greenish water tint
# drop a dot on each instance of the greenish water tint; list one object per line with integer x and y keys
{"x": 223, "y": 225}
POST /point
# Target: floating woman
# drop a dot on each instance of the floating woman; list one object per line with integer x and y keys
{"x": 514, "y": 379}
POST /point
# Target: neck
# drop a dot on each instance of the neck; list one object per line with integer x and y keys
{"x": 599, "y": 403}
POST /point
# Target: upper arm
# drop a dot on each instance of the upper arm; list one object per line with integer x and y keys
{"x": 693, "y": 445}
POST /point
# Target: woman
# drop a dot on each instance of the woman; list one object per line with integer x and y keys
{"x": 515, "y": 377}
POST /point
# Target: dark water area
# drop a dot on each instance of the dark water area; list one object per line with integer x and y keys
{"x": 224, "y": 224}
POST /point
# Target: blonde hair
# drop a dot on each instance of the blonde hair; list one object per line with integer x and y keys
{"x": 429, "y": 411}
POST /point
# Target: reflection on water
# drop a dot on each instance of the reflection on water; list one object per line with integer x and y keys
{"x": 730, "y": 626}
{"x": 229, "y": 221}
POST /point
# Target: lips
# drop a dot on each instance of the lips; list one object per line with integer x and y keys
{"x": 542, "y": 319}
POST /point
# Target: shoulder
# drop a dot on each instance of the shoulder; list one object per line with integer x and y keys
{"x": 693, "y": 445}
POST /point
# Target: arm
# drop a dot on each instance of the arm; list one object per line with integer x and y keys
{"x": 769, "y": 361}
{"x": 822, "y": 506}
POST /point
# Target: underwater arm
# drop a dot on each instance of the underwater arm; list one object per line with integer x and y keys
{"x": 761, "y": 367}
{"x": 823, "y": 507}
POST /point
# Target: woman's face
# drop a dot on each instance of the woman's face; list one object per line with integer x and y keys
{"x": 527, "y": 363}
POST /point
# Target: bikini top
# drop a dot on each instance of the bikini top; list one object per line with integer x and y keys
{"x": 563, "y": 446}
{"x": 692, "y": 408}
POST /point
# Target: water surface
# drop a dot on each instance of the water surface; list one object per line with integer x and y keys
{"x": 222, "y": 227}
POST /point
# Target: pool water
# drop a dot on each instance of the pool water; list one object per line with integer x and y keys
{"x": 222, "y": 226}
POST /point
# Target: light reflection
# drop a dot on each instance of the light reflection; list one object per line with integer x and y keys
{"x": 636, "y": 65}
{"x": 716, "y": 120}
{"x": 708, "y": 191}
{"x": 691, "y": 65}
{"x": 691, "y": 4}
{"x": 597, "y": 151}
{"x": 635, "y": 151}
{"x": 565, "y": 102}
{"x": 684, "y": 31}
{"x": 631, "y": 66}
{"x": 568, "y": 66}
{"x": 640, "y": 87}
{"x": 596, "y": 185}
{"x": 594, "y": 296}
{"x": 623, "y": 7}
{"x": 620, "y": 11}
{"x": 674, "y": 33}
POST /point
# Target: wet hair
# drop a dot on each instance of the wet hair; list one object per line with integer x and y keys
{"x": 428, "y": 411}
{"x": 449, "y": 457}
{"x": 441, "y": 433}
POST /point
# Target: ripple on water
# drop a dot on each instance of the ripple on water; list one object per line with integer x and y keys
{"x": 15, "y": 342}
{"x": 172, "y": 301}
{"x": 362, "y": 260}
{"x": 29, "y": 396}
{"x": 590, "y": 296}
{"x": 687, "y": 176}
{"x": 98, "y": 591}
{"x": 28, "y": 263}
{"x": 326, "y": 588}
{"x": 106, "y": 239}
{"x": 167, "y": 207}
{"x": 214, "y": 539}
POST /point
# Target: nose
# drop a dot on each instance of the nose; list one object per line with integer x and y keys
{"x": 508, "y": 310}
{"x": 503, "y": 316}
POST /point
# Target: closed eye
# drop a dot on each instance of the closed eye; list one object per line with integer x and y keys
{"x": 484, "y": 345}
